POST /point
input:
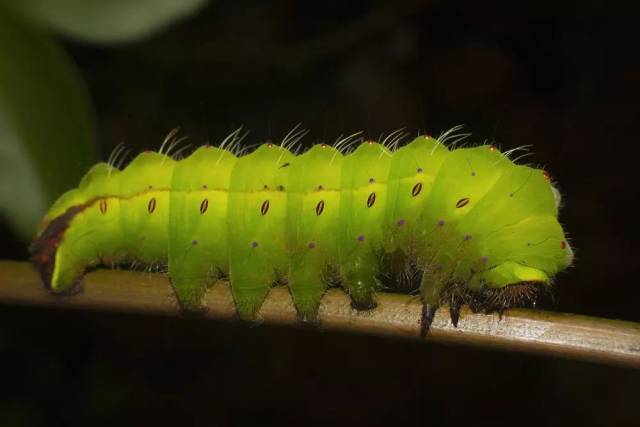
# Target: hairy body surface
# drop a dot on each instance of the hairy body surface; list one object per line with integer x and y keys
{"x": 460, "y": 225}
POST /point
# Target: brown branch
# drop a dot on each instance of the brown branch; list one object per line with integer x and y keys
{"x": 555, "y": 334}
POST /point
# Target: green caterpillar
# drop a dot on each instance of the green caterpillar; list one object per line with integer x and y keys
{"x": 463, "y": 225}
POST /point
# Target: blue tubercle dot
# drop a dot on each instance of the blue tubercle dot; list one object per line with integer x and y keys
{"x": 254, "y": 244}
{"x": 467, "y": 237}
{"x": 401, "y": 222}
{"x": 484, "y": 259}
{"x": 441, "y": 223}
{"x": 361, "y": 238}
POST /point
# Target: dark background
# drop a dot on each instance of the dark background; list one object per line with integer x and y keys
{"x": 562, "y": 76}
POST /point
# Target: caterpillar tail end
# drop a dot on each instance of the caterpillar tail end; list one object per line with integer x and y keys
{"x": 44, "y": 250}
{"x": 56, "y": 280}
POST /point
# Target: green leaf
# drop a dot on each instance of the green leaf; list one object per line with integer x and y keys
{"x": 46, "y": 125}
{"x": 104, "y": 21}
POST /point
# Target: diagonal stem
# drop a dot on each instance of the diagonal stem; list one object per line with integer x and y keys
{"x": 564, "y": 335}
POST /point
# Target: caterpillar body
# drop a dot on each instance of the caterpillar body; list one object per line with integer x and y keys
{"x": 463, "y": 225}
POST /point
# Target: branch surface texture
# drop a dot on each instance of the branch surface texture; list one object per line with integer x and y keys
{"x": 564, "y": 335}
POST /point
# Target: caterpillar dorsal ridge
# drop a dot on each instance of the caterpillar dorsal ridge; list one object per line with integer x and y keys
{"x": 456, "y": 225}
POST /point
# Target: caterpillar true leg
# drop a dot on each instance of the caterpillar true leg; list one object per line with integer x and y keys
{"x": 428, "y": 313}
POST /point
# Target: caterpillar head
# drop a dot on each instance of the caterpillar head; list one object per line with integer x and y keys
{"x": 491, "y": 232}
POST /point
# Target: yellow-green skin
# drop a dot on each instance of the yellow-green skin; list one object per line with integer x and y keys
{"x": 468, "y": 216}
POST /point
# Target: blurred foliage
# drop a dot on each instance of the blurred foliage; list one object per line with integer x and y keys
{"x": 102, "y": 21}
{"x": 45, "y": 119}
{"x": 45, "y": 112}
